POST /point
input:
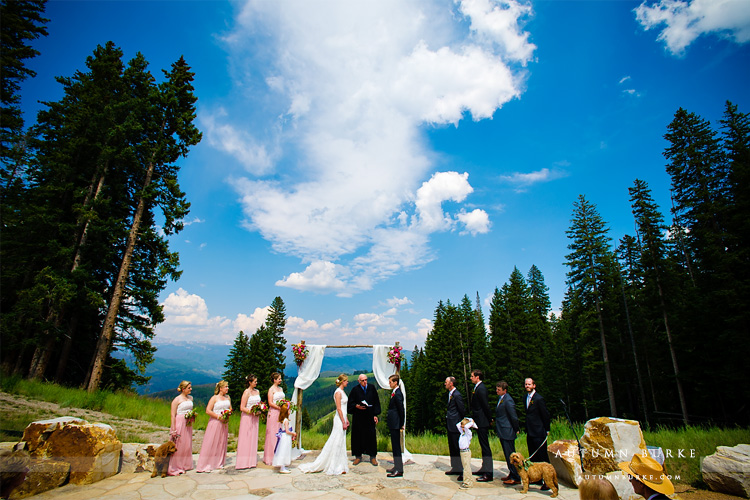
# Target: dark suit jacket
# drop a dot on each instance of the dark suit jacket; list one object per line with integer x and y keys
{"x": 455, "y": 412}
{"x": 396, "y": 416}
{"x": 537, "y": 416}
{"x": 506, "y": 419}
{"x": 480, "y": 406}
{"x": 356, "y": 396}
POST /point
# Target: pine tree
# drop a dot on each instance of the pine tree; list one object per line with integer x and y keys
{"x": 166, "y": 113}
{"x": 237, "y": 367}
{"x": 588, "y": 261}
{"x": 650, "y": 226}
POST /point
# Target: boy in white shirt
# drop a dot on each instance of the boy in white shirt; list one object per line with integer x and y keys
{"x": 464, "y": 443}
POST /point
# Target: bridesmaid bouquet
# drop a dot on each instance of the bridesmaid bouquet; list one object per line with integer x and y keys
{"x": 224, "y": 416}
{"x": 259, "y": 410}
{"x": 190, "y": 416}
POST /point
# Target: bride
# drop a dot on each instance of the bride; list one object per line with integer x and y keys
{"x": 332, "y": 459}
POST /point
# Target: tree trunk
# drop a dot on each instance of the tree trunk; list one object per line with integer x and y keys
{"x": 680, "y": 393}
{"x": 641, "y": 390}
{"x": 104, "y": 344}
{"x": 605, "y": 355}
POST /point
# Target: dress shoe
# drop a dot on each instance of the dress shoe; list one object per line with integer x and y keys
{"x": 452, "y": 473}
{"x": 544, "y": 487}
{"x": 511, "y": 482}
{"x": 478, "y": 473}
{"x": 485, "y": 479}
{"x": 460, "y": 478}
{"x": 356, "y": 461}
{"x": 392, "y": 469}
{"x": 395, "y": 474}
{"x": 504, "y": 478}
{"x": 374, "y": 462}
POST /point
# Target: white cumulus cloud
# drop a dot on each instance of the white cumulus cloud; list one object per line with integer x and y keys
{"x": 341, "y": 98}
{"x": 685, "y": 21}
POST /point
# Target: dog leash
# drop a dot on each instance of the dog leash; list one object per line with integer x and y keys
{"x": 527, "y": 462}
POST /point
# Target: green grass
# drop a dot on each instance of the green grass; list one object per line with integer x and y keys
{"x": 696, "y": 442}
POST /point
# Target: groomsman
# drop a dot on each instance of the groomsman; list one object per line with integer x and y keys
{"x": 480, "y": 412}
{"x": 453, "y": 416}
{"x": 537, "y": 423}
{"x": 395, "y": 418}
{"x": 506, "y": 425}
{"x": 364, "y": 406}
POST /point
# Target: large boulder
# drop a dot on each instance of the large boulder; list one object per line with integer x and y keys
{"x": 563, "y": 455}
{"x": 137, "y": 457}
{"x": 608, "y": 441}
{"x": 43, "y": 475}
{"x": 728, "y": 470}
{"x": 92, "y": 450}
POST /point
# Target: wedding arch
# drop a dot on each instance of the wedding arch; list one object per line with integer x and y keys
{"x": 309, "y": 371}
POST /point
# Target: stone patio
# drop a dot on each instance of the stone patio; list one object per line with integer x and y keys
{"x": 424, "y": 479}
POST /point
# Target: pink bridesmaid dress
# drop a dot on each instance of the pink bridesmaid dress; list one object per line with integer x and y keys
{"x": 272, "y": 427}
{"x": 214, "y": 447}
{"x": 247, "y": 440}
{"x": 182, "y": 460}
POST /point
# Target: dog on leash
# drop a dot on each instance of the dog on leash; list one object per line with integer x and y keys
{"x": 161, "y": 458}
{"x": 537, "y": 472}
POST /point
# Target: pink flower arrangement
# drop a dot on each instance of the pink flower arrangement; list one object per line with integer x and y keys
{"x": 260, "y": 410}
{"x": 300, "y": 353}
{"x": 395, "y": 356}
{"x": 224, "y": 415}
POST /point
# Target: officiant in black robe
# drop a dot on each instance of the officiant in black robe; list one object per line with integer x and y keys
{"x": 364, "y": 418}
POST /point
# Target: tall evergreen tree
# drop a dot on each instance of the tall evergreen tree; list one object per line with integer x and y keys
{"x": 650, "y": 226}
{"x": 166, "y": 113}
{"x": 588, "y": 261}
{"x": 22, "y": 22}
{"x": 237, "y": 367}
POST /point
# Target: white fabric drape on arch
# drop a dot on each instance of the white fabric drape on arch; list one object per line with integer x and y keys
{"x": 383, "y": 369}
{"x": 306, "y": 375}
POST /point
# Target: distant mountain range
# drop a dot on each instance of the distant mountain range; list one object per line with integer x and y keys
{"x": 203, "y": 363}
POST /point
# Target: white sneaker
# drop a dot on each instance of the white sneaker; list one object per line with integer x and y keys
{"x": 285, "y": 471}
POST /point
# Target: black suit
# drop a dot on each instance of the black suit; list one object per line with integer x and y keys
{"x": 395, "y": 419}
{"x": 506, "y": 425}
{"x": 480, "y": 412}
{"x": 364, "y": 439}
{"x": 537, "y": 427}
{"x": 454, "y": 414}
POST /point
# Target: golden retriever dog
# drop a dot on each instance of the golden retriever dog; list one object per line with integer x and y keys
{"x": 537, "y": 472}
{"x": 161, "y": 458}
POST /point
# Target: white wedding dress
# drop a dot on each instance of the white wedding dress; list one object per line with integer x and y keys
{"x": 332, "y": 459}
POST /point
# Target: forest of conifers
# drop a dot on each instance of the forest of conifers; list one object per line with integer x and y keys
{"x": 653, "y": 327}
{"x": 89, "y": 198}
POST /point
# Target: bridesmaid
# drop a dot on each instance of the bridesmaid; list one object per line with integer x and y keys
{"x": 214, "y": 447}
{"x": 275, "y": 393}
{"x": 182, "y": 460}
{"x": 247, "y": 441}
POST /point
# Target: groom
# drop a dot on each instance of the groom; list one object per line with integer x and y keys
{"x": 364, "y": 406}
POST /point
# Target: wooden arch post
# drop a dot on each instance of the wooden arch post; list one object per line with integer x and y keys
{"x": 298, "y": 419}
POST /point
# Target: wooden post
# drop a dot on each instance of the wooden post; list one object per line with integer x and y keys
{"x": 298, "y": 420}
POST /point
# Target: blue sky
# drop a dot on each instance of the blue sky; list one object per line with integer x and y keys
{"x": 364, "y": 160}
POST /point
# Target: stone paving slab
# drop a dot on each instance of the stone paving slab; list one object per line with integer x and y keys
{"x": 424, "y": 479}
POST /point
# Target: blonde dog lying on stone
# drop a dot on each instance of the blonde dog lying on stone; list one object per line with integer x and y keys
{"x": 161, "y": 458}
{"x": 537, "y": 472}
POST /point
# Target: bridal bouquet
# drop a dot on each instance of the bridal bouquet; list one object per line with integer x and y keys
{"x": 395, "y": 356}
{"x": 300, "y": 353}
{"x": 190, "y": 416}
{"x": 224, "y": 415}
{"x": 259, "y": 409}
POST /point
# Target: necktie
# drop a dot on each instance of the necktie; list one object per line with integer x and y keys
{"x": 528, "y": 400}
